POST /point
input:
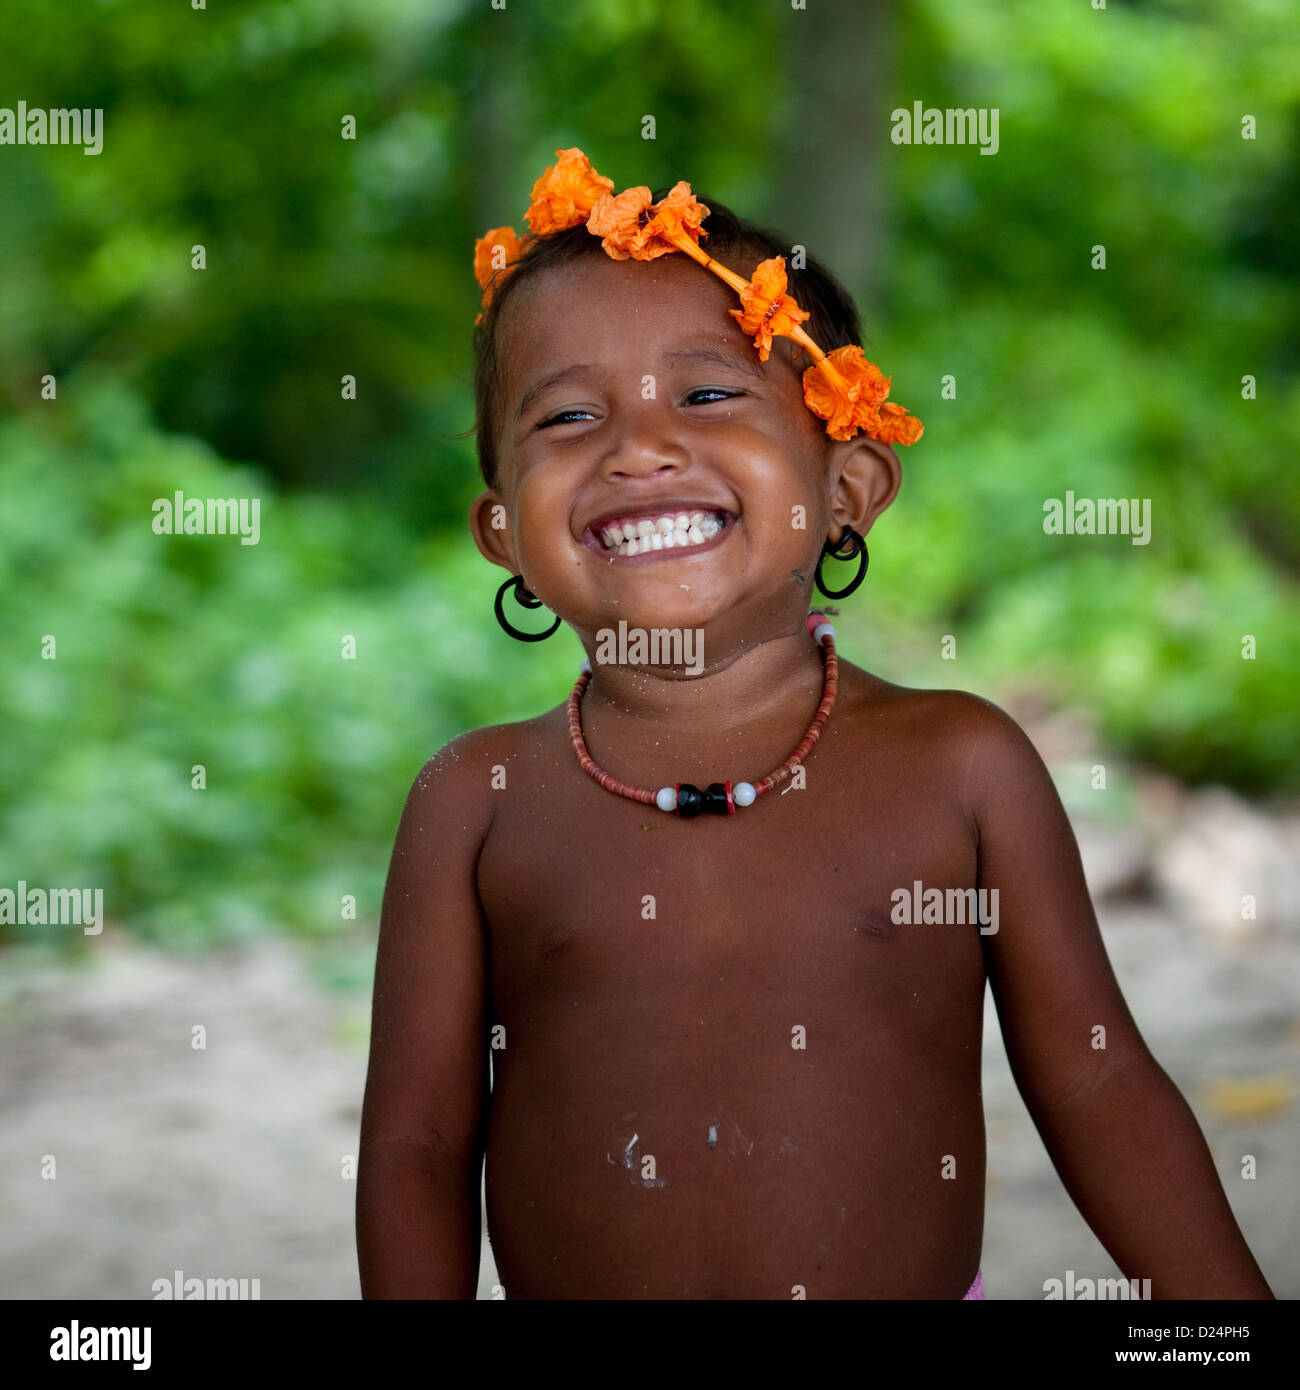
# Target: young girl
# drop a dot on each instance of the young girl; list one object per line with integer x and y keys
{"x": 723, "y": 922}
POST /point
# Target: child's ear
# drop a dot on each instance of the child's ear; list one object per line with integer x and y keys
{"x": 490, "y": 524}
{"x": 867, "y": 481}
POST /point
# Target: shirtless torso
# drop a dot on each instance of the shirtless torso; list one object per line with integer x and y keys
{"x": 727, "y": 1071}
{"x": 796, "y": 1064}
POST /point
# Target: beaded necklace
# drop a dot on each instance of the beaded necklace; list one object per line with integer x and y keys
{"x": 719, "y": 798}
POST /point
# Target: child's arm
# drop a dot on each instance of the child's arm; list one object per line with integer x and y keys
{"x": 1122, "y": 1137}
{"x": 422, "y": 1123}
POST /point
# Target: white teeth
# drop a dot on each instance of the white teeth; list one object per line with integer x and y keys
{"x": 668, "y": 532}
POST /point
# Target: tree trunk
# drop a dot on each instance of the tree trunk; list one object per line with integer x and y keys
{"x": 830, "y": 192}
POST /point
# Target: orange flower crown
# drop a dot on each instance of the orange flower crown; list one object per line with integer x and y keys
{"x": 841, "y": 387}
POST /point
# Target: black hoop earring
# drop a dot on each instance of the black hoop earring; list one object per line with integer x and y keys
{"x": 525, "y": 600}
{"x": 857, "y": 546}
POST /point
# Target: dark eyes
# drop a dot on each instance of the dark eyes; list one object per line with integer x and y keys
{"x": 562, "y": 418}
{"x": 692, "y": 397}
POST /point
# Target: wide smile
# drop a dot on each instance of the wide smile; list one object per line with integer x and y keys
{"x": 647, "y": 536}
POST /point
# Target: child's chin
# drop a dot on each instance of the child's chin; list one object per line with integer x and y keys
{"x": 667, "y": 604}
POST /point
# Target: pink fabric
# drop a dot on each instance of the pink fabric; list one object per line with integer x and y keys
{"x": 976, "y": 1290}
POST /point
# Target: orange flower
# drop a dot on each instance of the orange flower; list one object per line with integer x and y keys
{"x": 841, "y": 387}
{"x": 846, "y": 391}
{"x": 631, "y": 227}
{"x": 767, "y": 307}
{"x": 495, "y": 253}
{"x": 897, "y": 426}
{"x": 565, "y": 192}
{"x": 487, "y": 260}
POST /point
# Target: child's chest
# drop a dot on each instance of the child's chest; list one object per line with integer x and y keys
{"x": 726, "y": 1048}
{"x": 846, "y": 896}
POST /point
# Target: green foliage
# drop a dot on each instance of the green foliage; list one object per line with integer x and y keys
{"x": 325, "y": 257}
{"x": 179, "y": 652}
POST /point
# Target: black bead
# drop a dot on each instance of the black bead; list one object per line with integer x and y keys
{"x": 715, "y": 799}
{"x": 690, "y": 800}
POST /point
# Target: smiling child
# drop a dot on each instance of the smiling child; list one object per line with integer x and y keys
{"x": 729, "y": 1060}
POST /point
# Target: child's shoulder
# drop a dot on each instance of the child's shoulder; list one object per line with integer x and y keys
{"x": 946, "y": 723}
{"x": 468, "y": 768}
{"x": 961, "y": 710}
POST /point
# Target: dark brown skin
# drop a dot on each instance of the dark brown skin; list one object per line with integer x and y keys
{"x": 851, "y": 1166}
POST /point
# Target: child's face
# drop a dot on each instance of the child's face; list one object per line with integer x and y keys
{"x": 663, "y": 408}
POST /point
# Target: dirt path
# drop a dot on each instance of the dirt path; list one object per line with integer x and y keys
{"x": 228, "y": 1162}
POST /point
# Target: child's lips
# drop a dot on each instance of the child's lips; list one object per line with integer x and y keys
{"x": 727, "y": 521}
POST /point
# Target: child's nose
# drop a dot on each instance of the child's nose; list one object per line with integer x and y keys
{"x": 643, "y": 449}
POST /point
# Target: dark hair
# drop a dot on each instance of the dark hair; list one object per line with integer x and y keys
{"x": 833, "y": 322}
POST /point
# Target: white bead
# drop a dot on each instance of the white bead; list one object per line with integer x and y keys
{"x": 823, "y": 630}
{"x": 743, "y": 794}
{"x": 586, "y": 665}
{"x": 666, "y": 799}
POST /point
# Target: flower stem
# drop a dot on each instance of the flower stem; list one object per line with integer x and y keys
{"x": 738, "y": 282}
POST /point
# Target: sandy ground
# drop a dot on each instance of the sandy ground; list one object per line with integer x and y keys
{"x": 231, "y": 1161}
